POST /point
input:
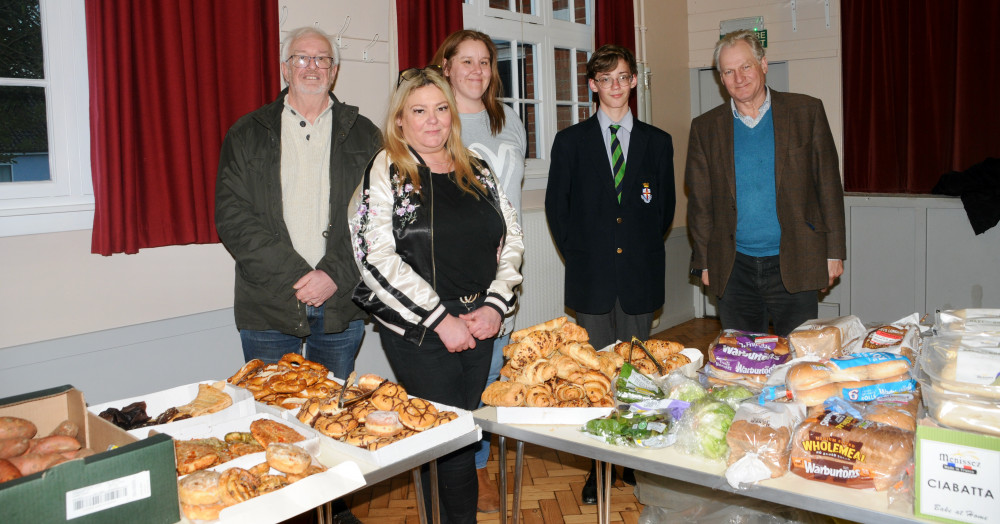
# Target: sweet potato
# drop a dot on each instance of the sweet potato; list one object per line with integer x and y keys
{"x": 12, "y": 447}
{"x": 53, "y": 444}
{"x": 8, "y": 471}
{"x": 67, "y": 428}
{"x": 33, "y": 462}
{"x": 13, "y": 427}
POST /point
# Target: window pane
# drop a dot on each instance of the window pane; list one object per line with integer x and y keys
{"x": 580, "y": 11}
{"x": 560, "y": 10}
{"x": 21, "y": 40}
{"x": 564, "y": 83}
{"x": 564, "y": 117}
{"x": 529, "y": 115}
{"x": 525, "y": 73}
{"x": 583, "y": 113}
{"x": 500, "y": 4}
{"x": 24, "y": 139}
{"x": 528, "y": 70}
{"x": 526, "y": 6}
{"x": 582, "y": 87}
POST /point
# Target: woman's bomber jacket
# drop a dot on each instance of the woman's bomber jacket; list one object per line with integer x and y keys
{"x": 393, "y": 239}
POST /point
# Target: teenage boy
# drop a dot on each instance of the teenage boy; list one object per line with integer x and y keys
{"x": 609, "y": 203}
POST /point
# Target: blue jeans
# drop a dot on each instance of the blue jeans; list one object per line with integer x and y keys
{"x": 755, "y": 292}
{"x": 336, "y": 351}
{"x": 483, "y": 449}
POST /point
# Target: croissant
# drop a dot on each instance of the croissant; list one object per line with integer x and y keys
{"x": 645, "y": 366}
{"x": 505, "y": 394}
{"x": 570, "y": 332}
{"x": 539, "y": 396}
{"x": 565, "y": 366}
{"x": 544, "y": 341}
{"x": 575, "y": 403}
{"x": 610, "y": 362}
{"x": 550, "y": 325}
{"x": 675, "y": 361}
{"x": 595, "y": 385}
{"x": 662, "y": 349}
{"x": 508, "y": 371}
{"x": 568, "y": 391}
{"x": 604, "y": 402}
{"x": 537, "y": 372}
{"x": 584, "y": 354}
{"x": 523, "y": 354}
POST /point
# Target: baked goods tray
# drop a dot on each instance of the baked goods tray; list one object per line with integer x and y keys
{"x": 293, "y": 499}
{"x": 158, "y": 402}
{"x": 331, "y": 450}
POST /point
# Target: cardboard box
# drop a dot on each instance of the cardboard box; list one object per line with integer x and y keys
{"x": 156, "y": 403}
{"x": 402, "y": 449}
{"x": 957, "y": 475}
{"x": 126, "y": 481}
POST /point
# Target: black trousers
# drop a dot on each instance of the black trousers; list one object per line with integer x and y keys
{"x": 429, "y": 371}
{"x": 606, "y": 328}
{"x": 755, "y": 292}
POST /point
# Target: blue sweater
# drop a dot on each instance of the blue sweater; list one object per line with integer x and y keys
{"x": 758, "y": 233}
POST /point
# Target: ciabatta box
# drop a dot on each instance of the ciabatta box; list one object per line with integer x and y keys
{"x": 400, "y": 450}
{"x": 128, "y": 480}
{"x": 957, "y": 475}
{"x": 158, "y": 402}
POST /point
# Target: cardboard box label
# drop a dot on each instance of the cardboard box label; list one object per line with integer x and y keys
{"x": 99, "y": 497}
{"x": 959, "y": 482}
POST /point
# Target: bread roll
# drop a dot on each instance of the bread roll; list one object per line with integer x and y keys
{"x": 854, "y": 390}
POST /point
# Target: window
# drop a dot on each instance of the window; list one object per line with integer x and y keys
{"x": 543, "y": 48}
{"x": 45, "y": 181}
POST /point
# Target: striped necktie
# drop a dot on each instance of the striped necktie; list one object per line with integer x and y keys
{"x": 617, "y": 161}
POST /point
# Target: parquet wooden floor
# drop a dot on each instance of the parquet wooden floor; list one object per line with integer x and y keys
{"x": 551, "y": 479}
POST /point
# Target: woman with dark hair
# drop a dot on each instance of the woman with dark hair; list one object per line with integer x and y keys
{"x": 439, "y": 247}
{"x": 493, "y": 130}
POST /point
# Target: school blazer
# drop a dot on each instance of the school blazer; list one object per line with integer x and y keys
{"x": 611, "y": 250}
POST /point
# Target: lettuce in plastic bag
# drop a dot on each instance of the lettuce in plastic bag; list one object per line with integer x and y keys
{"x": 704, "y": 427}
{"x": 732, "y": 394}
{"x": 631, "y": 429}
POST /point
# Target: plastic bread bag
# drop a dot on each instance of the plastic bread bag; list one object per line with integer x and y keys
{"x": 703, "y": 428}
{"x": 968, "y": 364}
{"x": 846, "y": 451}
{"x": 966, "y": 321}
{"x": 857, "y": 378}
{"x": 759, "y": 439}
{"x": 825, "y": 337}
{"x": 901, "y": 337}
{"x": 745, "y": 358}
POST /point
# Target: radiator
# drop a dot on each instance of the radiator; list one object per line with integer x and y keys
{"x": 542, "y": 289}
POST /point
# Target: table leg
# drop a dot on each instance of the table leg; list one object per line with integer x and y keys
{"x": 418, "y": 490}
{"x": 518, "y": 466}
{"x": 601, "y": 502}
{"x": 606, "y": 492}
{"x": 502, "y": 478}
{"x": 435, "y": 501}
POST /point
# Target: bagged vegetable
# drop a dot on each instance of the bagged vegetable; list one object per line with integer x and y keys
{"x": 633, "y": 386}
{"x": 683, "y": 388}
{"x": 631, "y": 428}
{"x": 703, "y": 428}
{"x": 733, "y": 395}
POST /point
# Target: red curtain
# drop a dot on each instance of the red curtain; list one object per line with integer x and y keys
{"x": 919, "y": 83}
{"x": 614, "y": 23}
{"x": 167, "y": 79}
{"x": 422, "y": 25}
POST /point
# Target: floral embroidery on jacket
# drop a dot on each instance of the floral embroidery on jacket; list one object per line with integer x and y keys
{"x": 405, "y": 201}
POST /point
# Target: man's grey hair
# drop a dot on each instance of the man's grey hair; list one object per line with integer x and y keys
{"x": 730, "y": 39}
{"x": 295, "y": 34}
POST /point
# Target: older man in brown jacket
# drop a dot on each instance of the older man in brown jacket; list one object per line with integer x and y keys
{"x": 766, "y": 203}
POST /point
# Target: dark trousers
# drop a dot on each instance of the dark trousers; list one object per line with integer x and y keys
{"x": 606, "y": 328}
{"x": 755, "y": 293}
{"x": 429, "y": 371}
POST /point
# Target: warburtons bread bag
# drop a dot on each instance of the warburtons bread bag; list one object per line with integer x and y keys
{"x": 744, "y": 358}
{"x": 846, "y": 451}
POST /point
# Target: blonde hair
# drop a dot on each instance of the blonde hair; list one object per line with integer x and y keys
{"x": 397, "y": 148}
{"x": 491, "y": 97}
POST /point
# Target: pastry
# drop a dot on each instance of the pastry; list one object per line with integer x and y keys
{"x": 370, "y": 381}
{"x": 389, "y": 397}
{"x": 248, "y": 370}
{"x": 336, "y": 426}
{"x": 287, "y": 458}
{"x": 361, "y": 410}
{"x": 537, "y": 372}
{"x": 506, "y": 394}
{"x": 210, "y": 399}
{"x": 311, "y": 470}
{"x": 360, "y": 437}
{"x": 445, "y": 417}
{"x": 418, "y": 414}
{"x": 384, "y": 423}
{"x": 237, "y": 485}
{"x": 269, "y": 483}
{"x": 192, "y": 456}
{"x": 200, "y": 487}
{"x": 539, "y": 396}
{"x": 203, "y": 511}
{"x": 596, "y": 385}
{"x": 267, "y": 431}
{"x": 550, "y": 325}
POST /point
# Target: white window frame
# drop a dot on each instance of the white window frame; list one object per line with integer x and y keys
{"x": 65, "y": 202}
{"x": 546, "y": 33}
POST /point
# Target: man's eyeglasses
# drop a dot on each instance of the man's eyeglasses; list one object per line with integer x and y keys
{"x": 301, "y": 61}
{"x": 622, "y": 79}
{"x": 414, "y": 72}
